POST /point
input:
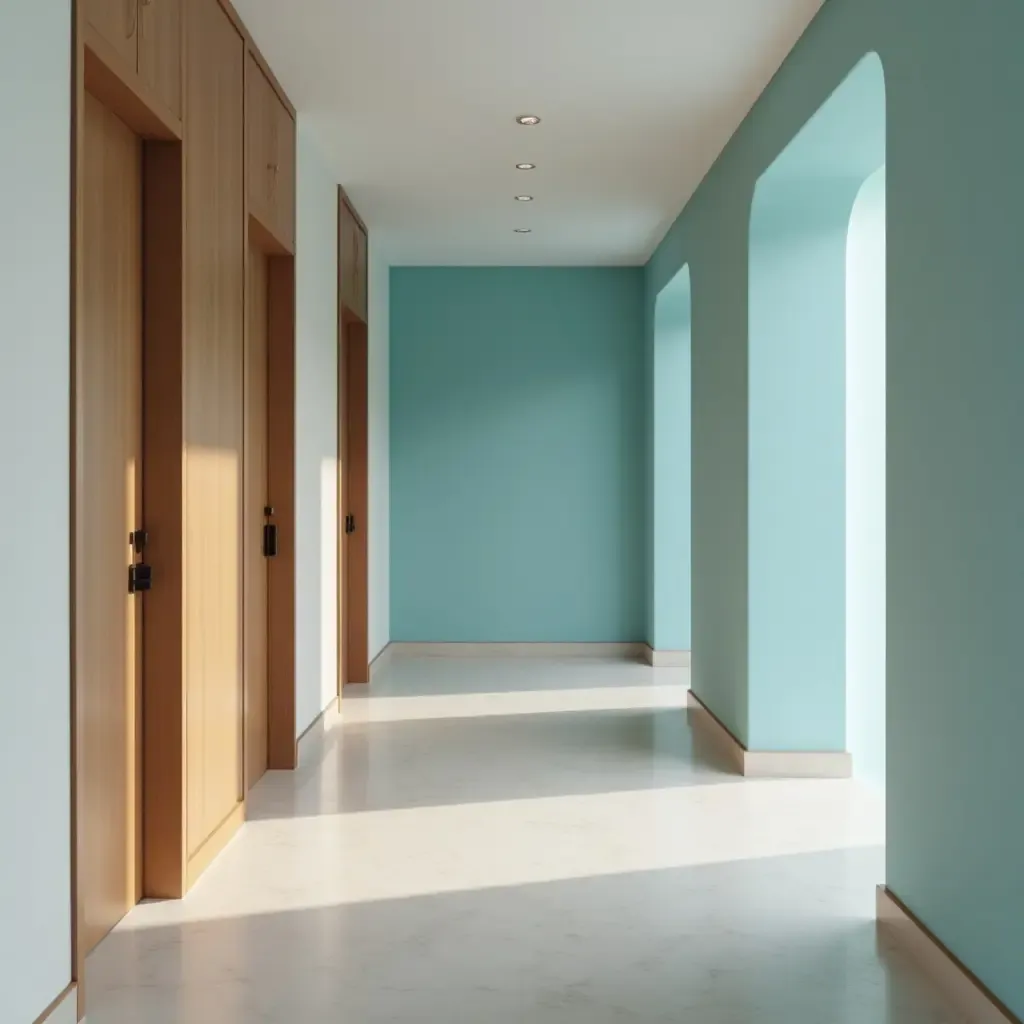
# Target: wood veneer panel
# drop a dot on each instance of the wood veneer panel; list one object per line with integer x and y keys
{"x": 213, "y": 418}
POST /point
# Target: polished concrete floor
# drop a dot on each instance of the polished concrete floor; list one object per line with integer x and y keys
{"x": 524, "y": 842}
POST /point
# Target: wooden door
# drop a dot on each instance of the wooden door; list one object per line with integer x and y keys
{"x": 109, "y": 490}
{"x": 160, "y": 50}
{"x": 256, "y": 496}
{"x": 213, "y": 428}
{"x": 354, "y": 536}
{"x": 117, "y": 21}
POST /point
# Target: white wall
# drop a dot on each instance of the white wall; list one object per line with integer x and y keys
{"x": 380, "y": 457}
{"x": 316, "y": 413}
{"x": 865, "y": 483}
{"x": 35, "y": 723}
{"x": 316, "y": 542}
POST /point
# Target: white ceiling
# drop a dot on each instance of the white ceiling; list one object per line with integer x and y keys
{"x": 413, "y": 102}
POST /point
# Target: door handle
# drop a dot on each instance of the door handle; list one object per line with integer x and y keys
{"x": 269, "y": 540}
{"x": 270, "y": 535}
{"x": 350, "y": 524}
{"x": 140, "y": 575}
{"x": 140, "y": 578}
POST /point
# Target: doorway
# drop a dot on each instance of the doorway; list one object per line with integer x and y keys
{"x": 353, "y": 504}
{"x": 268, "y": 509}
{"x": 110, "y": 541}
{"x": 260, "y": 533}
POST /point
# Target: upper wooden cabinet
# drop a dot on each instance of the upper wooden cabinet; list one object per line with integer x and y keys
{"x": 270, "y": 131}
{"x": 352, "y": 259}
{"x": 140, "y": 42}
{"x": 160, "y": 33}
{"x": 117, "y": 23}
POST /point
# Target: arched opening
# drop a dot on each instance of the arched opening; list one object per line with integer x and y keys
{"x": 670, "y": 628}
{"x": 816, "y": 656}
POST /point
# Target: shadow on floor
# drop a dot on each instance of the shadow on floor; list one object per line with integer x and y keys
{"x": 376, "y": 766}
{"x": 783, "y": 939}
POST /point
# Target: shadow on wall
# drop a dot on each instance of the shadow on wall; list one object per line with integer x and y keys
{"x": 816, "y": 435}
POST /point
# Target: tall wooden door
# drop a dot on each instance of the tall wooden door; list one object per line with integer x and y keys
{"x": 354, "y": 552}
{"x": 255, "y": 518}
{"x": 109, "y": 488}
{"x": 213, "y": 427}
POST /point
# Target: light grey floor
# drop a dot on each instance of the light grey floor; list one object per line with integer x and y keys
{"x": 502, "y": 842}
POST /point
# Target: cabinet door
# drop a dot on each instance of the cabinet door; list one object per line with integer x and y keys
{"x": 117, "y": 21}
{"x": 347, "y": 257}
{"x": 160, "y": 50}
{"x": 361, "y": 273}
{"x": 284, "y": 173}
{"x": 261, "y": 155}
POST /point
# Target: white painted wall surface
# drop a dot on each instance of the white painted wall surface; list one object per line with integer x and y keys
{"x": 865, "y": 483}
{"x": 67, "y": 1011}
{"x": 316, "y": 414}
{"x": 380, "y": 457}
{"x": 35, "y": 722}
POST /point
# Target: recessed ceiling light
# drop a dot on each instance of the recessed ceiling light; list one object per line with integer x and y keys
{"x": 524, "y": 199}
{"x": 528, "y": 119}
{"x": 525, "y": 167}
{"x": 523, "y": 231}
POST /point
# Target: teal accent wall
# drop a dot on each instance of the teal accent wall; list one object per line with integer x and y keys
{"x": 669, "y": 626}
{"x": 517, "y": 454}
{"x": 955, "y": 366}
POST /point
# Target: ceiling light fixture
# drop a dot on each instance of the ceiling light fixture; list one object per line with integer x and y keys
{"x": 525, "y": 167}
{"x": 523, "y": 231}
{"x": 524, "y": 199}
{"x": 528, "y": 119}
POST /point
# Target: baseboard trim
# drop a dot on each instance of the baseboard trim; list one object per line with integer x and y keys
{"x": 214, "y": 844}
{"x": 959, "y": 984}
{"x": 63, "y": 1010}
{"x": 383, "y": 659}
{"x": 309, "y": 742}
{"x": 666, "y": 659}
{"x": 769, "y": 764}
{"x": 633, "y": 651}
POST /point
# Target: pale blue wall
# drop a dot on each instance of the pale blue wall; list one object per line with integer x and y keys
{"x": 799, "y": 228}
{"x": 955, "y": 478}
{"x": 669, "y": 627}
{"x": 517, "y": 443}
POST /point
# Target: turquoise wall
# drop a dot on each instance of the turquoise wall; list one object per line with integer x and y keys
{"x": 955, "y": 366}
{"x": 799, "y": 228}
{"x": 669, "y": 621}
{"x": 517, "y": 441}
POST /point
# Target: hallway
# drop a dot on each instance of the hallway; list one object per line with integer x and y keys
{"x": 528, "y": 840}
